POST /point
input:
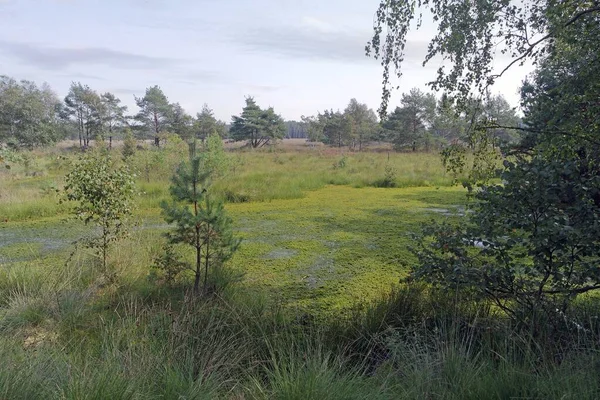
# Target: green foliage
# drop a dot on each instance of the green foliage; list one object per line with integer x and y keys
{"x": 103, "y": 194}
{"x": 207, "y": 125}
{"x": 129, "y": 145}
{"x": 335, "y": 128}
{"x": 158, "y": 164}
{"x": 362, "y": 123}
{"x": 449, "y": 124}
{"x": 409, "y": 122}
{"x": 7, "y": 157}
{"x": 155, "y": 111}
{"x": 314, "y": 128}
{"x": 531, "y": 245}
{"x": 149, "y": 158}
{"x": 259, "y": 127}
{"x": 288, "y": 329}
{"x": 501, "y": 120}
{"x": 200, "y": 221}
{"x": 341, "y": 163}
{"x": 454, "y": 160}
{"x": 389, "y": 178}
{"x": 28, "y": 114}
{"x": 181, "y": 123}
{"x": 111, "y": 113}
{"x": 468, "y": 33}
{"x": 169, "y": 264}
{"x": 84, "y": 105}
{"x": 355, "y": 127}
{"x": 213, "y": 158}
{"x": 95, "y": 116}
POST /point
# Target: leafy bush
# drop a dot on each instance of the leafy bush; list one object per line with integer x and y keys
{"x": 103, "y": 193}
{"x": 531, "y": 246}
{"x": 129, "y": 145}
{"x": 169, "y": 264}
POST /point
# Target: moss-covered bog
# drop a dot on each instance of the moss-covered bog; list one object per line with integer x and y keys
{"x": 335, "y": 246}
{"x": 318, "y": 235}
{"x": 319, "y": 238}
{"x": 317, "y": 254}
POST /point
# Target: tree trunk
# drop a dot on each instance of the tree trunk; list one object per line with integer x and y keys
{"x": 156, "y": 130}
{"x": 104, "y": 248}
{"x": 206, "y": 260}
{"x": 198, "y": 246}
{"x": 198, "y": 261}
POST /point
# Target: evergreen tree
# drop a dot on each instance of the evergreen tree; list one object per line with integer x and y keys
{"x": 335, "y": 128}
{"x": 410, "y": 122}
{"x": 256, "y": 125}
{"x": 182, "y": 123}
{"x": 113, "y": 113}
{"x": 206, "y": 124}
{"x": 155, "y": 111}
{"x": 200, "y": 221}
{"x": 85, "y": 106}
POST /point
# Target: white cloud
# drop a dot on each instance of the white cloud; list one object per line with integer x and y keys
{"x": 315, "y": 24}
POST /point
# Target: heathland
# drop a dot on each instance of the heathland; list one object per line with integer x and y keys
{"x": 313, "y": 305}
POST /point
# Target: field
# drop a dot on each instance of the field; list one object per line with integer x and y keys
{"x": 309, "y": 302}
{"x": 317, "y": 236}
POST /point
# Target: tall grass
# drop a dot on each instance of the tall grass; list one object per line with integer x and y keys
{"x": 119, "y": 342}
{"x": 65, "y": 333}
{"x": 283, "y": 173}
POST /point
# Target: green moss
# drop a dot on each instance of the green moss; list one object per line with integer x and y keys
{"x": 335, "y": 246}
{"x": 310, "y": 245}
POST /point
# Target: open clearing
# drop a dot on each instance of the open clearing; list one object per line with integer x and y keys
{"x": 318, "y": 254}
{"x": 319, "y": 238}
{"x": 318, "y": 235}
{"x": 336, "y": 246}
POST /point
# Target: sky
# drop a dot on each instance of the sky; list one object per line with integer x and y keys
{"x": 299, "y": 56}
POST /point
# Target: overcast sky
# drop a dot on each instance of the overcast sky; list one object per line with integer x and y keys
{"x": 299, "y": 56}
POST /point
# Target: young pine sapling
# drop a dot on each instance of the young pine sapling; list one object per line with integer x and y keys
{"x": 200, "y": 221}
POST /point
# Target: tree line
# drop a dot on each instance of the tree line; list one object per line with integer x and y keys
{"x": 32, "y": 116}
{"x": 420, "y": 122}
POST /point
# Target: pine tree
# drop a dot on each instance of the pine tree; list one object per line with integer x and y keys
{"x": 200, "y": 221}
{"x": 259, "y": 127}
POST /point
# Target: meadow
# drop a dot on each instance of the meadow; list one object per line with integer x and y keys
{"x": 318, "y": 233}
{"x": 311, "y": 305}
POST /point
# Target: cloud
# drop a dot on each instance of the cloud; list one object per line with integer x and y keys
{"x": 316, "y": 39}
{"x": 79, "y": 75}
{"x": 262, "y": 88}
{"x": 199, "y": 75}
{"x": 128, "y": 91}
{"x": 317, "y": 24}
{"x": 53, "y": 58}
{"x": 310, "y": 40}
